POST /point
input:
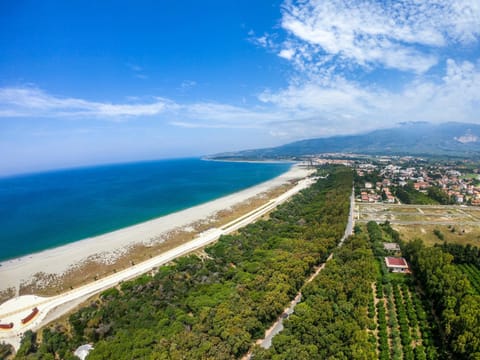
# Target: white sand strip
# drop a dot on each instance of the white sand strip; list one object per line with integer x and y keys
{"x": 17, "y": 309}
{"x": 110, "y": 246}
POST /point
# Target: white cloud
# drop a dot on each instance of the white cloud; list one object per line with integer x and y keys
{"x": 28, "y": 101}
{"x": 34, "y": 102}
{"x": 287, "y": 53}
{"x": 224, "y": 116}
{"x": 304, "y": 109}
{"x": 265, "y": 41}
{"x": 333, "y": 44}
{"x": 343, "y": 106}
{"x": 135, "y": 67}
{"x": 402, "y": 35}
{"x": 188, "y": 84}
{"x": 138, "y": 71}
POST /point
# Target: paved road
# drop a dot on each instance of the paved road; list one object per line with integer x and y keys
{"x": 351, "y": 219}
{"x": 16, "y": 309}
{"x": 278, "y": 326}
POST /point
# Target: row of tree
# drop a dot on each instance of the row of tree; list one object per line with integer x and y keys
{"x": 473, "y": 274}
{"x": 217, "y": 305}
{"x": 452, "y": 297}
{"x": 462, "y": 254}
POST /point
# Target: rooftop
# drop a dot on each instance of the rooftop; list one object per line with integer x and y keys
{"x": 391, "y": 246}
{"x": 396, "y": 262}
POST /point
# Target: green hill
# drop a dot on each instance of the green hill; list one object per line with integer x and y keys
{"x": 419, "y": 138}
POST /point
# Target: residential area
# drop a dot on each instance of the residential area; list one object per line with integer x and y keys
{"x": 410, "y": 180}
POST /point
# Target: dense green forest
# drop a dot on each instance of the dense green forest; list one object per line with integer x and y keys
{"x": 472, "y": 272}
{"x": 453, "y": 298}
{"x": 216, "y": 305}
{"x": 332, "y": 319}
{"x": 462, "y": 254}
{"x": 408, "y": 195}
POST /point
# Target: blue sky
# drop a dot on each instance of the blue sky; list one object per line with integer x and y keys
{"x": 87, "y": 82}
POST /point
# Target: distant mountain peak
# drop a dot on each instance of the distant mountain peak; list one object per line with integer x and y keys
{"x": 468, "y": 137}
{"x": 413, "y": 123}
{"x": 409, "y": 138}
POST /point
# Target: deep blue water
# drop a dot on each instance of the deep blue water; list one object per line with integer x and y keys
{"x": 45, "y": 210}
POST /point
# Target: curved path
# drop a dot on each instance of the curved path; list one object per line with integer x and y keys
{"x": 51, "y": 308}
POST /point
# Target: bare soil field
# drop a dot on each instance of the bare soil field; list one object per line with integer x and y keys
{"x": 457, "y": 224}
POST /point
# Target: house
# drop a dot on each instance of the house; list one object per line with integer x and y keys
{"x": 421, "y": 185}
{"x": 476, "y": 202}
{"x": 396, "y": 264}
{"x": 391, "y": 246}
{"x": 364, "y": 196}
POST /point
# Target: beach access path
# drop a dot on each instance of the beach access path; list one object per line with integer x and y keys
{"x": 16, "y": 309}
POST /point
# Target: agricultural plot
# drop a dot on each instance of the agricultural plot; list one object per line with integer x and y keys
{"x": 430, "y": 218}
{"x": 473, "y": 275}
{"x": 452, "y": 234}
{"x": 403, "y": 322}
{"x": 421, "y": 214}
{"x": 473, "y": 212}
{"x": 403, "y": 328}
{"x": 456, "y": 224}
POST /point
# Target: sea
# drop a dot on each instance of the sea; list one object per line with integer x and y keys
{"x": 46, "y": 210}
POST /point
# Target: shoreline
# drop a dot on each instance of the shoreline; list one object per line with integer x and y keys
{"x": 293, "y": 162}
{"x": 107, "y": 249}
{"x": 42, "y": 310}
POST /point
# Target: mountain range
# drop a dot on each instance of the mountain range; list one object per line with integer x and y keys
{"x": 410, "y": 138}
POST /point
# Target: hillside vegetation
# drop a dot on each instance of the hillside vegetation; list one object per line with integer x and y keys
{"x": 419, "y": 138}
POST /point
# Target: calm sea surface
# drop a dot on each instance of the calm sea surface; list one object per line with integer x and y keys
{"x": 45, "y": 210}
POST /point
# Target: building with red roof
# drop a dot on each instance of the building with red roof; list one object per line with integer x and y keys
{"x": 396, "y": 264}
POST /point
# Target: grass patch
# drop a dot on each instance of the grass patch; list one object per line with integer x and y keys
{"x": 462, "y": 235}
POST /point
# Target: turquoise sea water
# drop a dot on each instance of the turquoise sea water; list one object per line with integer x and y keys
{"x": 45, "y": 210}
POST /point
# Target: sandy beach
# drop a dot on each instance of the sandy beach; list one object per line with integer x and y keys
{"x": 32, "y": 312}
{"x": 107, "y": 248}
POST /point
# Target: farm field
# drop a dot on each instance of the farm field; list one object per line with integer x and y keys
{"x": 400, "y": 318}
{"x": 403, "y": 327}
{"x": 462, "y": 235}
{"x": 435, "y": 214}
{"x": 435, "y": 224}
{"x": 473, "y": 274}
